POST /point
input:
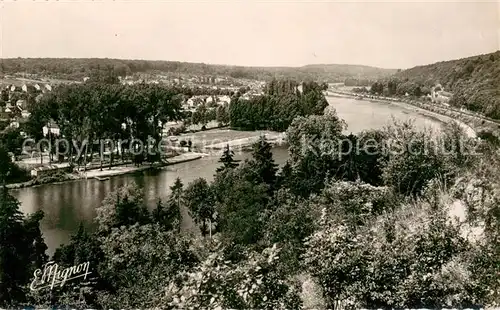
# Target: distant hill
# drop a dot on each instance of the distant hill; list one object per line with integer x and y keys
{"x": 352, "y": 70}
{"x": 474, "y": 81}
{"x": 78, "y": 68}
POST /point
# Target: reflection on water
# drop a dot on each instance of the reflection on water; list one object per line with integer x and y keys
{"x": 362, "y": 115}
{"x": 66, "y": 205}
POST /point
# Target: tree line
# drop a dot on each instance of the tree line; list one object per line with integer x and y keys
{"x": 77, "y": 69}
{"x": 97, "y": 111}
{"x": 281, "y": 102}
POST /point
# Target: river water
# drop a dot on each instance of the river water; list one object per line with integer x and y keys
{"x": 67, "y": 204}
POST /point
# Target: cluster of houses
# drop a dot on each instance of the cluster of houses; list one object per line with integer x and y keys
{"x": 185, "y": 80}
{"x": 14, "y": 108}
{"x": 192, "y": 103}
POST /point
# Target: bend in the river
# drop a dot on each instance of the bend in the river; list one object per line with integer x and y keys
{"x": 67, "y": 204}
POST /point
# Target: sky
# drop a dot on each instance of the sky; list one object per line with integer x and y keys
{"x": 252, "y": 33}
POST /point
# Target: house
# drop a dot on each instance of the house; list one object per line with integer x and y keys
{"x": 438, "y": 95}
{"x": 51, "y": 127}
{"x": 22, "y": 104}
{"x": 224, "y": 99}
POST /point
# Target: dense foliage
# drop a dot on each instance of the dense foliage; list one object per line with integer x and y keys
{"x": 473, "y": 81}
{"x": 22, "y": 250}
{"x": 281, "y": 103}
{"x": 93, "y": 114}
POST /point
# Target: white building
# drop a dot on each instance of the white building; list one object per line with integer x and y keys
{"x": 438, "y": 95}
{"x": 52, "y": 128}
{"x": 224, "y": 99}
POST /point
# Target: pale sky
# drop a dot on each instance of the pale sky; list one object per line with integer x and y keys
{"x": 256, "y": 33}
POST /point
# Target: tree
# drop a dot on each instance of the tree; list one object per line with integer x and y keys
{"x": 6, "y": 166}
{"x": 227, "y": 160}
{"x": 201, "y": 115}
{"x": 139, "y": 262}
{"x": 386, "y": 264}
{"x": 392, "y": 86}
{"x": 289, "y": 224}
{"x": 223, "y": 114}
{"x": 263, "y": 162}
{"x": 124, "y": 207}
{"x": 240, "y": 204}
{"x": 83, "y": 247}
{"x": 278, "y": 106}
{"x": 314, "y": 151}
{"x": 12, "y": 140}
{"x": 169, "y": 215}
{"x": 360, "y": 157}
{"x": 413, "y": 159}
{"x": 417, "y": 92}
{"x": 22, "y": 250}
{"x": 199, "y": 200}
{"x": 377, "y": 88}
{"x": 255, "y": 283}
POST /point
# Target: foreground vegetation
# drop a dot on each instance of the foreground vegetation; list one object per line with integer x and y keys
{"x": 370, "y": 227}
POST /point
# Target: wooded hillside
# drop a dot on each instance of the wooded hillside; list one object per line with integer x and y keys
{"x": 474, "y": 81}
{"x": 77, "y": 68}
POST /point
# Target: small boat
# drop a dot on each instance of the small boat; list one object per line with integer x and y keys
{"x": 101, "y": 178}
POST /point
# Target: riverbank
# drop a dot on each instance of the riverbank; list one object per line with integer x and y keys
{"x": 435, "y": 115}
{"x": 243, "y": 143}
{"x": 106, "y": 173}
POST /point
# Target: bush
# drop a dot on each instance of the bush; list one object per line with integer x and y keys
{"x": 413, "y": 258}
{"x": 412, "y": 159}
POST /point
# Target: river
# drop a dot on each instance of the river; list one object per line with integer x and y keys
{"x": 67, "y": 204}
